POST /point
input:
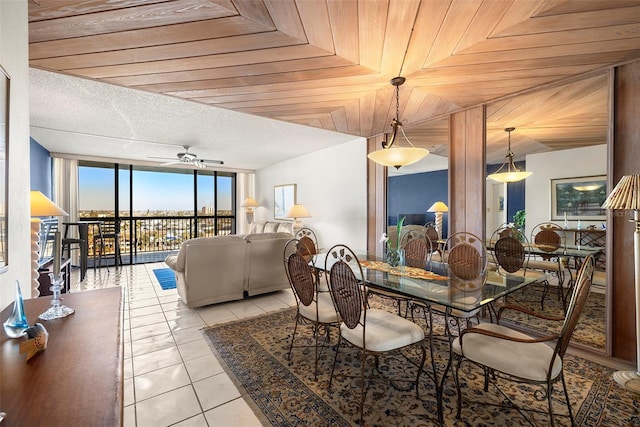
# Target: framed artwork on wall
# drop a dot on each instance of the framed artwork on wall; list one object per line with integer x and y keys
{"x": 578, "y": 198}
{"x": 284, "y": 196}
{"x": 4, "y": 168}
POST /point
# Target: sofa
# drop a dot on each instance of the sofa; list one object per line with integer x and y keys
{"x": 215, "y": 269}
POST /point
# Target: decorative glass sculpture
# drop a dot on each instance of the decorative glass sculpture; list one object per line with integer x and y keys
{"x": 17, "y": 323}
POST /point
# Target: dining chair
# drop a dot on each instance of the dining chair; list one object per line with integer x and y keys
{"x": 416, "y": 251}
{"x": 506, "y": 354}
{"x": 510, "y": 254}
{"x": 549, "y": 238}
{"x": 308, "y": 242}
{"x": 313, "y": 306}
{"x": 431, "y": 233}
{"x": 466, "y": 268}
{"x": 373, "y": 331}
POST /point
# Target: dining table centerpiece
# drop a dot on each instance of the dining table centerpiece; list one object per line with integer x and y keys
{"x": 394, "y": 254}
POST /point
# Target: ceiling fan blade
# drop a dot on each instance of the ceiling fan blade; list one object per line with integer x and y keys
{"x": 214, "y": 162}
{"x": 161, "y": 158}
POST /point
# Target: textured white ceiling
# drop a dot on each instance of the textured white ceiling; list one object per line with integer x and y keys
{"x": 88, "y": 118}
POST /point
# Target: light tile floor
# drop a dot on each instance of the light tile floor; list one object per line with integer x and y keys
{"x": 171, "y": 376}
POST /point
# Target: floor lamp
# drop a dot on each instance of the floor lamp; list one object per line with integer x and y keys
{"x": 439, "y": 208}
{"x": 41, "y": 206}
{"x": 249, "y": 204}
{"x": 626, "y": 196}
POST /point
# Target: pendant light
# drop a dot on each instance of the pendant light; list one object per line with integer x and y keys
{"x": 510, "y": 172}
{"x": 396, "y": 156}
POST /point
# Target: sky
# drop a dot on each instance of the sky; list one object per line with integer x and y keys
{"x": 152, "y": 190}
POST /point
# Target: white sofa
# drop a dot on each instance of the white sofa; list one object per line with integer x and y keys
{"x": 225, "y": 268}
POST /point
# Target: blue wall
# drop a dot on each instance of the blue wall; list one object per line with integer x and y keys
{"x": 415, "y": 193}
{"x": 40, "y": 168}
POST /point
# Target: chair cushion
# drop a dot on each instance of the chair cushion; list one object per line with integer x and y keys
{"x": 524, "y": 360}
{"x": 385, "y": 331}
{"x": 326, "y": 310}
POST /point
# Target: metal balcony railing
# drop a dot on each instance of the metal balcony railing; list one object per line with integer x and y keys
{"x": 148, "y": 234}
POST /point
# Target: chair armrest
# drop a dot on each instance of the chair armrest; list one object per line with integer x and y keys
{"x": 493, "y": 334}
{"x": 527, "y": 311}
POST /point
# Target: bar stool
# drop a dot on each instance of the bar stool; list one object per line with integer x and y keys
{"x": 80, "y": 241}
{"x": 108, "y": 231}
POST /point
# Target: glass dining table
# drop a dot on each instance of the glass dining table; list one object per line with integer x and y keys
{"x": 434, "y": 291}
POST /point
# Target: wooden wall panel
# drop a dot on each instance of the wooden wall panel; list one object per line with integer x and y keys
{"x": 376, "y": 199}
{"x": 467, "y": 171}
{"x": 625, "y": 161}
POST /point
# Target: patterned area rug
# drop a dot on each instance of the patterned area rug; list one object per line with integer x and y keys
{"x": 284, "y": 393}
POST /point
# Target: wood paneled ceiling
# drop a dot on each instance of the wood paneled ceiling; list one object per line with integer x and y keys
{"x": 327, "y": 64}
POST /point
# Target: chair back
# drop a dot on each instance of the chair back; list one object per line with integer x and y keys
{"x": 308, "y": 245}
{"x": 548, "y": 236}
{"x": 576, "y": 304}
{"x": 466, "y": 256}
{"x": 416, "y": 252}
{"x": 346, "y": 288}
{"x": 431, "y": 232}
{"x": 509, "y": 248}
{"x": 110, "y": 228}
{"x": 299, "y": 273}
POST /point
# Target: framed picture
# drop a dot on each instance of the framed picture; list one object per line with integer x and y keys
{"x": 578, "y": 198}
{"x": 284, "y": 196}
{"x": 4, "y": 168}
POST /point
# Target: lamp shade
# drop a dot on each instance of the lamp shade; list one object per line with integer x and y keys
{"x": 511, "y": 176}
{"x": 398, "y": 156}
{"x": 249, "y": 203}
{"x": 297, "y": 211}
{"x": 41, "y": 205}
{"x": 625, "y": 195}
{"x": 438, "y": 207}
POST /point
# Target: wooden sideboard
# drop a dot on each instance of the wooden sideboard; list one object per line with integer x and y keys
{"x": 78, "y": 379}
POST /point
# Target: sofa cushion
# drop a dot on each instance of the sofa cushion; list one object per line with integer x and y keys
{"x": 265, "y": 236}
{"x": 257, "y": 227}
{"x": 271, "y": 227}
{"x": 285, "y": 227}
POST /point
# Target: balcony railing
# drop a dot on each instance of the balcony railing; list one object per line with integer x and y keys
{"x": 148, "y": 234}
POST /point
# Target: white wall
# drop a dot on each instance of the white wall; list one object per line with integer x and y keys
{"x": 14, "y": 59}
{"x": 586, "y": 161}
{"x": 331, "y": 184}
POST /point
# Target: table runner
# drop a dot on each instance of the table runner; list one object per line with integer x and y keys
{"x": 417, "y": 273}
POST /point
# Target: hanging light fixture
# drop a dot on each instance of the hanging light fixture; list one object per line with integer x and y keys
{"x": 511, "y": 172}
{"x": 395, "y": 156}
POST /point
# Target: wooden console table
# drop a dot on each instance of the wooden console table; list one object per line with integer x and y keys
{"x": 78, "y": 379}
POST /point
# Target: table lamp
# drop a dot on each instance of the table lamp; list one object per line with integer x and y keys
{"x": 42, "y": 206}
{"x": 295, "y": 212}
{"x": 626, "y": 196}
{"x": 439, "y": 208}
{"x": 249, "y": 204}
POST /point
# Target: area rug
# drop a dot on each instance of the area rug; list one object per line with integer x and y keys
{"x": 166, "y": 277}
{"x": 283, "y": 393}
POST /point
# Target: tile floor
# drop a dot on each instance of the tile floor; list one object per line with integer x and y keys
{"x": 171, "y": 377}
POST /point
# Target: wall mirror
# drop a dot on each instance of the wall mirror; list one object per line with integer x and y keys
{"x": 560, "y": 135}
{"x": 4, "y": 177}
{"x": 284, "y": 196}
{"x": 413, "y": 189}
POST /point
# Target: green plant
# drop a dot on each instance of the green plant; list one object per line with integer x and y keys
{"x": 519, "y": 218}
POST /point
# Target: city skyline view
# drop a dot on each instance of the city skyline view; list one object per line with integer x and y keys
{"x": 154, "y": 191}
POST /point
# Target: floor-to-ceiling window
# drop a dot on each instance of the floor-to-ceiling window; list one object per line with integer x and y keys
{"x": 155, "y": 208}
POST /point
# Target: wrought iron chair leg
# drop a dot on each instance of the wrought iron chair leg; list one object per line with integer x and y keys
{"x": 549, "y": 392}
{"x": 456, "y": 379}
{"x": 566, "y": 397}
{"x": 293, "y": 337}
{"x": 315, "y": 370}
{"x": 362, "y": 387}
{"x": 335, "y": 358}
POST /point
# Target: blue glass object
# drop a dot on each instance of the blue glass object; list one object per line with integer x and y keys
{"x": 17, "y": 323}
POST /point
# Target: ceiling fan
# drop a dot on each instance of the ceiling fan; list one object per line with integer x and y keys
{"x": 187, "y": 158}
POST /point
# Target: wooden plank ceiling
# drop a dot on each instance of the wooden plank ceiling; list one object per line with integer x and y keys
{"x": 328, "y": 63}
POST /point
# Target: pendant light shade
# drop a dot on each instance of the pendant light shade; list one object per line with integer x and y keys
{"x": 397, "y": 156}
{"x": 508, "y": 172}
